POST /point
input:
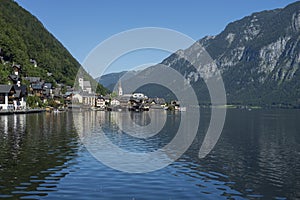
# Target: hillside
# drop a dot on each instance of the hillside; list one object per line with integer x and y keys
{"x": 109, "y": 80}
{"x": 258, "y": 56}
{"x": 25, "y": 41}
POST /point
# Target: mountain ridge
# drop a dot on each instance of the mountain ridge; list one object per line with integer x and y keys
{"x": 257, "y": 55}
{"x": 266, "y": 46}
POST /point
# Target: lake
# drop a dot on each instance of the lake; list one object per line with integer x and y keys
{"x": 44, "y": 156}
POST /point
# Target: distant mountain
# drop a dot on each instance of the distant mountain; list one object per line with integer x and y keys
{"x": 25, "y": 41}
{"x": 110, "y": 80}
{"x": 258, "y": 56}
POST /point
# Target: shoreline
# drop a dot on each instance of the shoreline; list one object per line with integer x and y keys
{"x": 27, "y": 111}
{"x": 40, "y": 110}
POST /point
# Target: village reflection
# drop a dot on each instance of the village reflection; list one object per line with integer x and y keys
{"x": 13, "y": 128}
{"x": 132, "y": 131}
{"x": 4, "y": 125}
{"x": 147, "y": 123}
{"x": 34, "y": 147}
{"x": 15, "y": 123}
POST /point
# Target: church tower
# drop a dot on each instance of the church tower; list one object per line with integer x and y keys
{"x": 120, "y": 90}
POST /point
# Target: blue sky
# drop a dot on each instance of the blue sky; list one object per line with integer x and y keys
{"x": 80, "y": 25}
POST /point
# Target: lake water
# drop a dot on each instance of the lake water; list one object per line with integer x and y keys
{"x": 257, "y": 157}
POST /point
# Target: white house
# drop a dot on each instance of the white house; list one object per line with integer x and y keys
{"x": 89, "y": 99}
{"x": 100, "y": 103}
{"x": 115, "y": 102}
{"x": 20, "y": 96}
{"x": 77, "y": 98}
{"x": 6, "y": 93}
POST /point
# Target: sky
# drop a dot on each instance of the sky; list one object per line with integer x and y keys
{"x": 81, "y": 25}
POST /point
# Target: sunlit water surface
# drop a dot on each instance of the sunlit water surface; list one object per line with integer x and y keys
{"x": 256, "y": 157}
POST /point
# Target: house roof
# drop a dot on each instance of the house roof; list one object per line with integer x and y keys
{"x": 86, "y": 94}
{"x": 86, "y": 84}
{"x": 22, "y": 90}
{"x": 5, "y": 88}
{"x": 33, "y": 79}
{"x": 14, "y": 78}
{"x": 47, "y": 85}
{"x": 124, "y": 99}
{"x": 37, "y": 86}
{"x": 17, "y": 66}
{"x": 68, "y": 93}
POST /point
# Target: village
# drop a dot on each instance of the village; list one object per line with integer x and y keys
{"x": 116, "y": 101}
{"x": 41, "y": 96}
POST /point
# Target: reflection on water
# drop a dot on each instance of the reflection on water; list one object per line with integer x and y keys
{"x": 259, "y": 152}
{"x": 257, "y": 157}
{"x": 139, "y": 128}
{"x": 13, "y": 126}
{"x": 35, "y": 150}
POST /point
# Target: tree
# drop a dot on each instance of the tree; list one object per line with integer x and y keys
{"x": 101, "y": 90}
{"x": 34, "y": 102}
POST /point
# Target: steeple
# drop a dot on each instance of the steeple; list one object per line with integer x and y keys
{"x": 120, "y": 90}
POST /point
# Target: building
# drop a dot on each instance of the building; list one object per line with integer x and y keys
{"x": 47, "y": 90}
{"x": 36, "y": 86}
{"x": 89, "y": 100}
{"x": 37, "y": 89}
{"x": 20, "y": 97}
{"x": 6, "y": 97}
{"x": 115, "y": 102}
{"x": 77, "y": 98}
{"x": 84, "y": 99}
{"x": 17, "y": 94}
{"x": 33, "y": 80}
{"x": 124, "y": 100}
{"x": 85, "y": 85}
{"x": 101, "y": 103}
{"x": 138, "y": 102}
{"x": 138, "y": 96}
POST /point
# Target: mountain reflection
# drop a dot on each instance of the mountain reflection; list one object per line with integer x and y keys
{"x": 257, "y": 155}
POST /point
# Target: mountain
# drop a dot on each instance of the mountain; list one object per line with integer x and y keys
{"x": 109, "y": 80}
{"x": 25, "y": 41}
{"x": 258, "y": 56}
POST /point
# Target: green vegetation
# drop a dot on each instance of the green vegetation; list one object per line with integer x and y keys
{"x": 23, "y": 37}
{"x": 25, "y": 41}
{"x": 34, "y": 102}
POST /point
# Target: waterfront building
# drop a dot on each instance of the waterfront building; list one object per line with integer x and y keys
{"x": 101, "y": 103}
{"x": 115, "y": 102}
{"x": 18, "y": 98}
{"x": 6, "y": 97}
{"x": 137, "y": 102}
